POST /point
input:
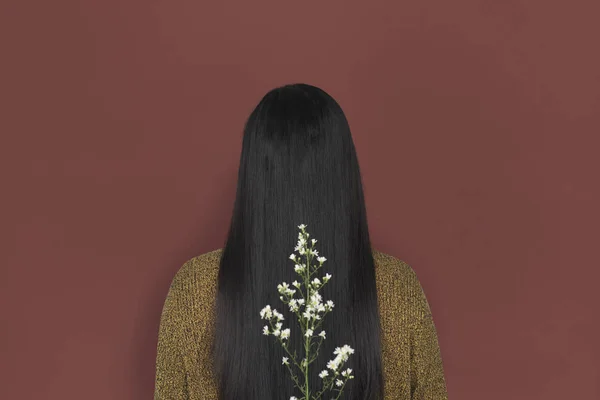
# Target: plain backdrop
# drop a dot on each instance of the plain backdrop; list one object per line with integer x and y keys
{"x": 476, "y": 125}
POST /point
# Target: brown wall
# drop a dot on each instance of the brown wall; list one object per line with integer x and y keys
{"x": 476, "y": 124}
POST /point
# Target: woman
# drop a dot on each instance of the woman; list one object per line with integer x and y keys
{"x": 298, "y": 166}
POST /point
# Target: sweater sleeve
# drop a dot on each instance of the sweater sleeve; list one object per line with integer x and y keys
{"x": 427, "y": 372}
{"x": 171, "y": 368}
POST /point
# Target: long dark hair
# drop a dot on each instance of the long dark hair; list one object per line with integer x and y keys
{"x": 298, "y": 166}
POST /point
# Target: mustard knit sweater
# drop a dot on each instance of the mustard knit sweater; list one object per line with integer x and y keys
{"x": 412, "y": 365}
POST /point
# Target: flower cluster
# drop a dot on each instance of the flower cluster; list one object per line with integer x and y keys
{"x": 310, "y": 310}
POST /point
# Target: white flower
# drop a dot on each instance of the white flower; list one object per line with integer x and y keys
{"x": 266, "y": 330}
{"x": 278, "y": 325}
{"x": 293, "y": 305}
{"x": 276, "y": 333}
{"x": 322, "y": 334}
{"x": 316, "y": 281}
{"x": 296, "y": 284}
{"x": 343, "y": 352}
{"x": 321, "y": 259}
{"x": 308, "y": 333}
{"x": 323, "y": 373}
{"x": 278, "y": 315}
{"x": 292, "y": 256}
{"x": 285, "y": 333}
{"x": 314, "y": 252}
{"x": 284, "y": 360}
{"x": 347, "y": 372}
{"x": 314, "y": 241}
{"x": 283, "y": 287}
{"x": 327, "y": 277}
{"x": 332, "y": 365}
{"x": 299, "y": 267}
{"x": 301, "y": 226}
{"x": 300, "y": 301}
{"x": 266, "y": 313}
{"x": 293, "y": 398}
{"x": 315, "y": 298}
{"x": 329, "y": 304}
{"x": 339, "y": 382}
{"x": 301, "y": 240}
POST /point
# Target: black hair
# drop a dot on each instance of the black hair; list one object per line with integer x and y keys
{"x": 298, "y": 165}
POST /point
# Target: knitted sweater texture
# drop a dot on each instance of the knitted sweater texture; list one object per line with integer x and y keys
{"x": 412, "y": 365}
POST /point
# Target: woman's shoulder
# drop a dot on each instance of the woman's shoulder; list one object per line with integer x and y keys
{"x": 198, "y": 274}
{"x": 399, "y": 287}
{"x": 205, "y": 263}
{"x": 391, "y": 267}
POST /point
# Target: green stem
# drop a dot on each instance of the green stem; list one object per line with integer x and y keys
{"x": 307, "y": 340}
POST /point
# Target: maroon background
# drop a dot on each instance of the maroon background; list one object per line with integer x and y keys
{"x": 476, "y": 124}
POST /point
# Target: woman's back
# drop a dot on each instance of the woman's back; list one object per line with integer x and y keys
{"x": 412, "y": 365}
{"x": 298, "y": 165}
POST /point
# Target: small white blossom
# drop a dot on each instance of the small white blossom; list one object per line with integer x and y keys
{"x": 314, "y": 241}
{"x": 293, "y": 257}
{"x": 332, "y": 365}
{"x": 293, "y": 305}
{"x": 296, "y": 284}
{"x": 327, "y": 277}
{"x": 278, "y": 315}
{"x": 266, "y": 312}
{"x": 329, "y": 304}
{"x": 276, "y": 332}
{"x": 308, "y": 333}
{"x": 299, "y": 268}
{"x": 266, "y": 330}
{"x": 347, "y": 372}
{"x": 315, "y": 298}
{"x": 316, "y": 281}
{"x": 343, "y": 352}
{"x": 338, "y": 382}
{"x": 283, "y": 287}
{"x": 321, "y": 259}
{"x": 301, "y": 226}
{"x": 300, "y": 301}
{"x": 322, "y": 334}
{"x": 323, "y": 373}
{"x": 285, "y": 333}
{"x": 284, "y": 360}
